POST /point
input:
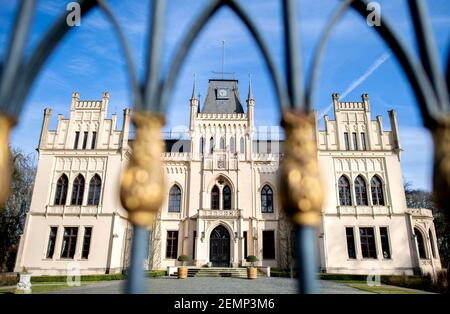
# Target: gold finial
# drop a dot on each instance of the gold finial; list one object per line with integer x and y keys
{"x": 300, "y": 184}
{"x": 6, "y": 123}
{"x": 142, "y": 183}
{"x": 441, "y": 168}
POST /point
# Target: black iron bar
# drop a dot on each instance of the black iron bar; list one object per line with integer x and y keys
{"x": 427, "y": 49}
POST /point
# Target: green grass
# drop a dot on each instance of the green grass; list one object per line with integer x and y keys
{"x": 382, "y": 289}
{"x": 40, "y": 288}
{"x": 90, "y": 278}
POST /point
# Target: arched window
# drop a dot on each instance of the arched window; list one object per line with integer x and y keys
{"x": 222, "y": 143}
{"x": 95, "y": 186}
{"x": 377, "y": 191}
{"x": 242, "y": 146}
{"x": 432, "y": 243}
{"x": 232, "y": 145}
{"x": 345, "y": 197}
{"x": 175, "y": 199}
{"x": 211, "y": 145}
{"x": 61, "y": 190}
{"x": 202, "y": 145}
{"x": 420, "y": 243}
{"x": 215, "y": 197}
{"x": 360, "y": 191}
{"x": 78, "y": 190}
{"x": 266, "y": 199}
{"x": 226, "y": 197}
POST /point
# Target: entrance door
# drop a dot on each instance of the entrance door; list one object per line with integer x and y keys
{"x": 219, "y": 247}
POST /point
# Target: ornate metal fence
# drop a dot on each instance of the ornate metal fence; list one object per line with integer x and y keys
{"x": 142, "y": 183}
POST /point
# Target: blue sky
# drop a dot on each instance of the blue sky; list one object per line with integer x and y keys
{"x": 89, "y": 61}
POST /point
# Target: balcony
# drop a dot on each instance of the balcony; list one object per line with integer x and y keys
{"x": 363, "y": 210}
{"x": 216, "y": 213}
{"x": 420, "y": 212}
{"x": 72, "y": 210}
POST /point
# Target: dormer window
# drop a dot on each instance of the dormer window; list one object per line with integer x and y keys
{"x": 222, "y": 93}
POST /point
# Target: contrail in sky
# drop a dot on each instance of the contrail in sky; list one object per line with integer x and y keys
{"x": 378, "y": 62}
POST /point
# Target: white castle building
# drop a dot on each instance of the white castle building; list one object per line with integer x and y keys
{"x": 222, "y": 200}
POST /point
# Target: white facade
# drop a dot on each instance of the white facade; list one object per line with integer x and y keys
{"x": 222, "y": 202}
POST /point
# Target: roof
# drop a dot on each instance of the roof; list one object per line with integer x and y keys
{"x": 229, "y": 103}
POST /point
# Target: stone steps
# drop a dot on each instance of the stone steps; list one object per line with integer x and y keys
{"x": 235, "y": 272}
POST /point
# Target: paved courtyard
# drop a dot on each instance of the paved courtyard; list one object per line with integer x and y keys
{"x": 213, "y": 285}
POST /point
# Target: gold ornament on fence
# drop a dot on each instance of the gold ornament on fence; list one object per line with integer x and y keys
{"x": 142, "y": 182}
{"x": 300, "y": 185}
{"x": 441, "y": 171}
{"x": 6, "y": 123}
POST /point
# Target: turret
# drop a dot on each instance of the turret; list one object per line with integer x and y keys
{"x": 250, "y": 106}
{"x": 194, "y": 107}
{"x": 45, "y": 124}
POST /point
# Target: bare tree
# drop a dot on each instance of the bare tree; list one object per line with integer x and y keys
{"x": 12, "y": 215}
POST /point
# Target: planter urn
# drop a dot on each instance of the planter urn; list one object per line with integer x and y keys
{"x": 182, "y": 272}
{"x": 251, "y": 272}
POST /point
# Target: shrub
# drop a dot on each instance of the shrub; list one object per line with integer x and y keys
{"x": 252, "y": 259}
{"x": 183, "y": 259}
{"x": 9, "y": 279}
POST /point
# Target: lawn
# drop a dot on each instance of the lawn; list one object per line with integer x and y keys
{"x": 41, "y": 288}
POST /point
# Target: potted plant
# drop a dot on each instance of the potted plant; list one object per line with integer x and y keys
{"x": 24, "y": 284}
{"x": 182, "y": 270}
{"x": 251, "y": 271}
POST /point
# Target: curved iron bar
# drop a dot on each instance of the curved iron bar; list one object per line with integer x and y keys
{"x": 319, "y": 52}
{"x": 40, "y": 55}
{"x": 195, "y": 29}
{"x": 14, "y": 56}
{"x": 136, "y": 91}
{"x": 428, "y": 52}
{"x": 293, "y": 69}
{"x": 427, "y": 100}
{"x": 155, "y": 44}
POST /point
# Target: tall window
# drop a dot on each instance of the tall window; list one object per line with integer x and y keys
{"x": 377, "y": 191}
{"x": 367, "y": 238}
{"x": 85, "y": 140}
{"x": 355, "y": 141}
{"x": 226, "y": 197}
{"x": 215, "y": 197}
{"x": 69, "y": 242}
{"x": 242, "y": 146}
{"x": 345, "y": 197}
{"x": 433, "y": 251}
{"x": 268, "y": 244}
{"x": 94, "y": 140}
{"x": 95, "y": 186}
{"x": 172, "y": 244}
{"x": 420, "y": 244}
{"x": 78, "y": 190}
{"x": 222, "y": 143}
{"x": 202, "y": 145}
{"x": 266, "y": 199}
{"x": 175, "y": 199}
{"x": 360, "y": 191}
{"x": 51, "y": 242}
{"x": 232, "y": 145}
{"x": 346, "y": 141}
{"x": 77, "y": 139}
{"x": 350, "y": 242}
{"x": 61, "y": 190}
{"x": 363, "y": 141}
{"x": 86, "y": 242}
{"x": 385, "y": 242}
{"x": 211, "y": 145}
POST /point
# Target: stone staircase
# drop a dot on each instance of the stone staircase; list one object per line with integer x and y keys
{"x": 235, "y": 272}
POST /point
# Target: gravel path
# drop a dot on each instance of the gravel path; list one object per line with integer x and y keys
{"x": 213, "y": 285}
